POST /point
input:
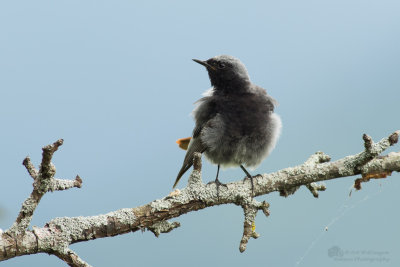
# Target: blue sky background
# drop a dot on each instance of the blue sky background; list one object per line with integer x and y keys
{"x": 115, "y": 80}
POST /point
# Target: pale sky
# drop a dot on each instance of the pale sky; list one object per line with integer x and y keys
{"x": 115, "y": 79}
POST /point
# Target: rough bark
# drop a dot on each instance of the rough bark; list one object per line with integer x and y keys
{"x": 56, "y": 236}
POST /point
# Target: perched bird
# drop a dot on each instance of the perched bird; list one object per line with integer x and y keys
{"x": 235, "y": 120}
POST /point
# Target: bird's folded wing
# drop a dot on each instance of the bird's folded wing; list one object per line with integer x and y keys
{"x": 195, "y": 145}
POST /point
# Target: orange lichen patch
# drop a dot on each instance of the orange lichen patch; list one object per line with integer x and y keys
{"x": 183, "y": 142}
{"x": 377, "y": 175}
{"x": 366, "y": 177}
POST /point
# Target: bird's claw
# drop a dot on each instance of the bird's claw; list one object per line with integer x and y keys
{"x": 218, "y": 184}
{"x": 252, "y": 184}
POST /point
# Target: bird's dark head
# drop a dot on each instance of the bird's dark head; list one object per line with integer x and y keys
{"x": 226, "y": 72}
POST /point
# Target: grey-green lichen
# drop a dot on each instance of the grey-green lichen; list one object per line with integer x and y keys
{"x": 56, "y": 236}
{"x": 163, "y": 227}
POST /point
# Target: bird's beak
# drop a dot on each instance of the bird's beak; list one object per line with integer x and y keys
{"x": 204, "y": 63}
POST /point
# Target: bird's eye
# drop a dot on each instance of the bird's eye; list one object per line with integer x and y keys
{"x": 221, "y": 65}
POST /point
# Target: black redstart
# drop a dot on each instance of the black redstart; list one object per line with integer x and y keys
{"x": 235, "y": 120}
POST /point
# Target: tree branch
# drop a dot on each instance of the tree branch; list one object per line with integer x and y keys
{"x": 56, "y": 236}
{"x": 71, "y": 258}
{"x": 43, "y": 182}
{"x": 30, "y": 167}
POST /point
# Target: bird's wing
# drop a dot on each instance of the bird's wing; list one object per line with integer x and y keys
{"x": 195, "y": 145}
{"x": 204, "y": 113}
{"x": 197, "y": 130}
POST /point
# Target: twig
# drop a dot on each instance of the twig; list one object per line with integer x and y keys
{"x": 43, "y": 182}
{"x": 56, "y": 236}
{"x": 71, "y": 258}
{"x": 30, "y": 167}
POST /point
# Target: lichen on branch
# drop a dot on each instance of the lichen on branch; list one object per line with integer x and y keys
{"x": 58, "y": 234}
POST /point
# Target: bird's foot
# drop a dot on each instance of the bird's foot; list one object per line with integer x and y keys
{"x": 251, "y": 179}
{"x": 218, "y": 184}
{"x": 252, "y": 184}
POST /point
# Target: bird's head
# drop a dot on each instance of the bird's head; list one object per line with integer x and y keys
{"x": 226, "y": 72}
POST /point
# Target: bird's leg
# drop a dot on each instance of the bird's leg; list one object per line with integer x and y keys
{"x": 251, "y": 179}
{"x": 217, "y": 182}
{"x": 216, "y": 178}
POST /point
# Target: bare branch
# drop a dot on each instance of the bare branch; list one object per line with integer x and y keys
{"x": 195, "y": 179}
{"x": 30, "y": 167}
{"x": 367, "y": 142}
{"x": 62, "y": 184}
{"x": 71, "y": 258}
{"x": 394, "y": 138}
{"x": 311, "y": 162}
{"x": 163, "y": 227}
{"x": 46, "y": 170}
{"x": 314, "y": 188}
{"x": 317, "y": 157}
{"x": 43, "y": 182}
{"x": 250, "y": 210}
{"x": 56, "y": 236}
{"x": 391, "y": 162}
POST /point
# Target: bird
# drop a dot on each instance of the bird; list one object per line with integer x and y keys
{"x": 235, "y": 123}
